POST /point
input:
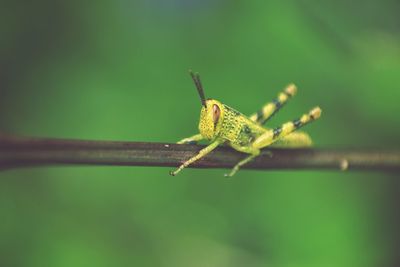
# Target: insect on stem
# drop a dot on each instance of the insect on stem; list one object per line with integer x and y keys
{"x": 223, "y": 124}
{"x": 199, "y": 87}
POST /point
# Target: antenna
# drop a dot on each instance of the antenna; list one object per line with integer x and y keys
{"x": 199, "y": 87}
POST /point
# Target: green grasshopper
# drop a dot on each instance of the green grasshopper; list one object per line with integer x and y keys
{"x": 221, "y": 124}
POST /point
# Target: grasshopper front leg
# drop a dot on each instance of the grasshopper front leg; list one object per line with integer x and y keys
{"x": 201, "y": 154}
{"x": 190, "y": 140}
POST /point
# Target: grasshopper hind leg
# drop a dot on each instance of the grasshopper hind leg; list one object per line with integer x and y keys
{"x": 279, "y": 134}
{"x": 283, "y": 136}
{"x": 269, "y": 109}
{"x": 293, "y": 140}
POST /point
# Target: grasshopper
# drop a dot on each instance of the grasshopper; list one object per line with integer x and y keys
{"x": 221, "y": 124}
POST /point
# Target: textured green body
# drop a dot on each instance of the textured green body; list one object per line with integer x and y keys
{"x": 237, "y": 129}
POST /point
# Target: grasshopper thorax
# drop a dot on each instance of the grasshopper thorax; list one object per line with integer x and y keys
{"x": 211, "y": 117}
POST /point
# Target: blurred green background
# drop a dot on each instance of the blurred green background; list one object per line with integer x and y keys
{"x": 117, "y": 70}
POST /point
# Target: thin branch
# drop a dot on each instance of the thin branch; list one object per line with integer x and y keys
{"x": 25, "y": 152}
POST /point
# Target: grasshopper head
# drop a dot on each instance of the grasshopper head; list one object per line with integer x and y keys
{"x": 211, "y": 113}
{"x": 211, "y": 116}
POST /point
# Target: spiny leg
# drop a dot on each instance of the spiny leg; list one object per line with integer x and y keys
{"x": 246, "y": 149}
{"x": 201, "y": 154}
{"x": 269, "y": 109}
{"x": 276, "y": 134}
{"x": 191, "y": 140}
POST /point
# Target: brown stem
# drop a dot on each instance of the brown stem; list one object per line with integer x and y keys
{"x": 24, "y": 152}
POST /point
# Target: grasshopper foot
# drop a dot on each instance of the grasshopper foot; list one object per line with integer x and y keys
{"x": 232, "y": 172}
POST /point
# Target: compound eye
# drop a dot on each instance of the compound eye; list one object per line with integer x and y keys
{"x": 216, "y": 113}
